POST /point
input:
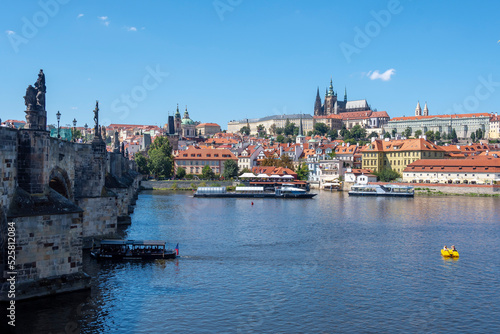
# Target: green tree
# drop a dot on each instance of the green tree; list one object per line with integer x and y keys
{"x": 357, "y": 132}
{"x": 333, "y": 134}
{"x": 245, "y": 130}
{"x": 302, "y": 172}
{"x": 387, "y": 135}
{"x": 479, "y": 134}
{"x": 142, "y": 163}
{"x": 394, "y": 131}
{"x": 272, "y": 129}
{"x": 230, "y": 169}
{"x": 454, "y": 138}
{"x": 284, "y": 161}
{"x": 207, "y": 173}
{"x": 180, "y": 173}
{"x": 387, "y": 175}
{"x": 289, "y": 128}
{"x": 373, "y": 134}
{"x": 160, "y": 160}
{"x": 279, "y": 131}
{"x": 280, "y": 139}
{"x": 473, "y": 137}
{"x": 429, "y": 135}
{"x": 320, "y": 129}
{"x": 418, "y": 133}
{"x": 159, "y": 164}
{"x": 244, "y": 170}
{"x": 444, "y": 136}
{"x": 437, "y": 135}
{"x": 407, "y": 132}
{"x": 261, "y": 130}
{"x": 309, "y": 133}
{"x": 344, "y": 133}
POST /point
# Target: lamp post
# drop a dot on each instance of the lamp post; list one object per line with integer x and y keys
{"x": 85, "y": 126}
{"x": 74, "y": 129}
{"x": 58, "y": 119}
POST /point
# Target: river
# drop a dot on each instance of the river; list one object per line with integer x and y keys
{"x": 331, "y": 264}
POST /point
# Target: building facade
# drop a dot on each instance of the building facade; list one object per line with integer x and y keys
{"x": 476, "y": 170}
{"x": 463, "y": 124}
{"x": 193, "y": 160}
{"x": 397, "y": 154}
{"x": 278, "y": 121}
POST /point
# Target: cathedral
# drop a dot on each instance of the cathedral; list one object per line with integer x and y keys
{"x": 333, "y": 106}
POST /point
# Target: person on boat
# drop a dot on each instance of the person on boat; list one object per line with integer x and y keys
{"x": 446, "y": 248}
{"x": 453, "y": 249}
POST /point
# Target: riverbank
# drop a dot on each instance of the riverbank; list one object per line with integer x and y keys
{"x": 183, "y": 184}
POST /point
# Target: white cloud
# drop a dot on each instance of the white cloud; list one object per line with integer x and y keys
{"x": 386, "y": 76}
{"x": 104, "y": 20}
{"x": 10, "y": 32}
{"x": 131, "y": 28}
{"x": 74, "y": 108}
{"x": 79, "y": 15}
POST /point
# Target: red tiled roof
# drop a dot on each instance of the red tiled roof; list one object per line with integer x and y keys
{"x": 205, "y": 154}
{"x": 207, "y": 124}
{"x": 409, "y": 118}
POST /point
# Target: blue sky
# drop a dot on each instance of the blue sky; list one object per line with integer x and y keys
{"x": 236, "y": 59}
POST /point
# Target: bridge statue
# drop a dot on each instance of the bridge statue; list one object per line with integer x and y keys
{"x": 36, "y": 115}
{"x": 97, "y": 130}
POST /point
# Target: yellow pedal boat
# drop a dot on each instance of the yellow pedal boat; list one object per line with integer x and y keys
{"x": 449, "y": 253}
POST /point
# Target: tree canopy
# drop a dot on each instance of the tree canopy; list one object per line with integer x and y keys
{"x": 245, "y": 130}
{"x": 230, "y": 169}
{"x": 161, "y": 161}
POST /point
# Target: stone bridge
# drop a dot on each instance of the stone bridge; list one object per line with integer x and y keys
{"x": 58, "y": 195}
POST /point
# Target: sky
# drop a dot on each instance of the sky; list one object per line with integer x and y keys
{"x": 235, "y": 59}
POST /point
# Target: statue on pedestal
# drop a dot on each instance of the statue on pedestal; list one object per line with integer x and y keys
{"x": 97, "y": 132}
{"x": 116, "y": 143}
{"x": 34, "y": 100}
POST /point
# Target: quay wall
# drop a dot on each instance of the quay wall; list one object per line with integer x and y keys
{"x": 167, "y": 184}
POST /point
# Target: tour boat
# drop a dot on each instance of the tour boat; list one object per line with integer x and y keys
{"x": 117, "y": 249}
{"x": 449, "y": 253}
{"x": 381, "y": 190}
{"x": 283, "y": 191}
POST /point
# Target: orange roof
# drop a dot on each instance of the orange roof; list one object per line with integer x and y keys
{"x": 418, "y": 144}
{"x": 409, "y": 118}
{"x": 473, "y": 164}
{"x": 271, "y": 170}
{"x": 207, "y": 124}
{"x": 194, "y": 153}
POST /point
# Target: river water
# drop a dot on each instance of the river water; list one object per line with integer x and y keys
{"x": 331, "y": 264}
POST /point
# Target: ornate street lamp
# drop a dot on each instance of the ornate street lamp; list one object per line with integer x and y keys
{"x": 74, "y": 129}
{"x": 86, "y": 127}
{"x": 58, "y": 119}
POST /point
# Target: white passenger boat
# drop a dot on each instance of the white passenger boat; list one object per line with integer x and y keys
{"x": 381, "y": 190}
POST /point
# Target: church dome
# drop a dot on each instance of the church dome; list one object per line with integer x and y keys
{"x": 187, "y": 121}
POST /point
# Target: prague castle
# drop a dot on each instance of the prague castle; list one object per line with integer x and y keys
{"x": 333, "y": 106}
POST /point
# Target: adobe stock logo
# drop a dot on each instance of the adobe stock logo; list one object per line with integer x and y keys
{"x": 222, "y": 6}
{"x": 139, "y": 93}
{"x": 30, "y": 28}
{"x": 372, "y": 29}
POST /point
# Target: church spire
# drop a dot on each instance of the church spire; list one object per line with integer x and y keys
{"x": 426, "y": 110}
{"x": 317, "y": 104}
{"x": 300, "y": 126}
{"x": 418, "y": 110}
{"x": 345, "y": 94}
{"x": 330, "y": 89}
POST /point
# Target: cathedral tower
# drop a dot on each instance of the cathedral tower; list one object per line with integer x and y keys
{"x": 317, "y": 105}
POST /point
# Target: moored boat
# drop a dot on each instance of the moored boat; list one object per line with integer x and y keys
{"x": 117, "y": 249}
{"x": 381, "y": 190}
{"x": 283, "y": 191}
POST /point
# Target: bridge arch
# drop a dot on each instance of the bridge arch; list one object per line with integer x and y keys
{"x": 60, "y": 182}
